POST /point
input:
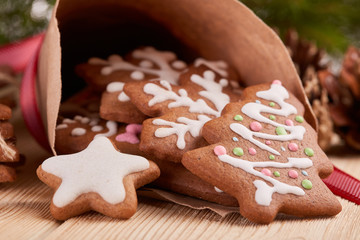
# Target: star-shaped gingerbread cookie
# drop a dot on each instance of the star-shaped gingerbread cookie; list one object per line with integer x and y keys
{"x": 99, "y": 178}
{"x": 265, "y": 155}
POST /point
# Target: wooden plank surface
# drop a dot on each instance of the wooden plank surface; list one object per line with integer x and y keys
{"x": 24, "y": 213}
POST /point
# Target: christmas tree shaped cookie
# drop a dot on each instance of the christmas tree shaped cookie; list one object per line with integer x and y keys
{"x": 179, "y": 111}
{"x": 265, "y": 155}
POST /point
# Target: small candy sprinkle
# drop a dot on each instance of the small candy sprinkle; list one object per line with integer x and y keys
{"x": 276, "y": 82}
{"x": 267, "y": 142}
{"x": 255, "y": 126}
{"x": 252, "y": 151}
{"x": 309, "y": 152}
{"x": 299, "y": 119}
{"x": 238, "y": 151}
{"x": 271, "y": 157}
{"x": 272, "y": 117}
{"x": 276, "y": 174}
{"x": 235, "y": 139}
{"x": 238, "y": 118}
{"x": 282, "y": 148}
{"x": 280, "y": 131}
{"x": 289, "y": 122}
{"x": 272, "y": 104}
{"x": 304, "y": 173}
{"x": 219, "y": 150}
{"x": 293, "y": 174}
{"x": 266, "y": 172}
{"x": 307, "y": 184}
{"x": 293, "y": 147}
{"x": 257, "y": 101}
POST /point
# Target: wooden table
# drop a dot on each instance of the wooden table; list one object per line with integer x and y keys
{"x": 24, "y": 212}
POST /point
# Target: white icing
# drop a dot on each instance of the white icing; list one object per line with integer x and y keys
{"x": 100, "y": 168}
{"x": 97, "y": 128}
{"x": 161, "y": 59}
{"x": 263, "y": 194}
{"x": 78, "y": 132}
{"x": 67, "y": 120}
{"x": 94, "y": 122}
{"x": 112, "y": 126}
{"x": 123, "y": 97}
{"x": 137, "y": 75}
{"x": 277, "y": 93}
{"x": 178, "y": 64}
{"x": 115, "y": 87}
{"x": 219, "y": 67}
{"x": 81, "y": 119}
{"x": 146, "y": 64}
{"x": 62, "y": 126}
{"x": 218, "y": 190}
{"x": 213, "y": 93}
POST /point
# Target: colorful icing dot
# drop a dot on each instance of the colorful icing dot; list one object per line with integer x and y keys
{"x": 252, "y": 151}
{"x": 299, "y": 119}
{"x": 219, "y": 150}
{"x": 276, "y": 174}
{"x": 282, "y": 148}
{"x": 238, "y": 151}
{"x": 257, "y": 101}
{"x": 304, "y": 173}
{"x": 266, "y": 172}
{"x": 235, "y": 139}
{"x": 267, "y": 142}
{"x": 293, "y": 147}
{"x": 271, "y": 157}
{"x": 272, "y": 117}
{"x": 307, "y": 184}
{"x": 280, "y": 131}
{"x": 293, "y": 174}
{"x": 309, "y": 152}
{"x": 238, "y": 118}
{"x": 272, "y": 104}
{"x": 276, "y": 82}
{"x": 289, "y": 122}
{"x": 255, "y": 126}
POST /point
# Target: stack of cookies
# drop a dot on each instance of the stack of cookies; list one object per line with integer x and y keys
{"x": 149, "y": 117}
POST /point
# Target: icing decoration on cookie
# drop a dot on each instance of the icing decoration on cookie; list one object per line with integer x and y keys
{"x": 276, "y": 174}
{"x": 100, "y": 168}
{"x": 257, "y": 101}
{"x": 271, "y": 157}
{"x": 255, "y": 126}
{"x": 267, "y": 142}
{"x": 235, "y": 139}
{"x": 97, "y": 128}
{"x": 115, "y": 87}
{"x": 282, "y": 148}
{"x": 218, "y": 190}
{"x": 219, "y": 150}
{"x": 238, "y": 151}
{"x": 131, "y": 134}
{"x": 216, "y": 66}
{"x": 112, "y": 126}
{"x": 263, "y": 194}
{"x": 252, "y": 151}
{"x": 272, "y": 104}
{"x": 212, "y": 92}
{"x": 266, "y": 172}
{"x": 309, "y": 152}
{"x": 299, "y": 119}
{"x": 277, "y": 93}
{"x": 78, "y": 132}
{"x": 293, "y": 174}
{"x": 62, "y": 126}
{"x": 238, "y": 118}
{"x": 277, "y": 82}
{"x": 162, "y": 59}
{"x": 272, "y": 117}
{"x": 289, "y": 122}
{"x": 304, "y": 173}
{"x": 178, "y": 64}
{"x": 307, "y": 184}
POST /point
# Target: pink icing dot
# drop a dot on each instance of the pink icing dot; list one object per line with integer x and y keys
{"x": 293, "y": 174}
{"x": 130, "y": 134}
{"x": 255, "y": 126}
{"x": 219, "y": 150}
{"x": 276, "y": 82}
{"x": 266, "y": 172}
{"x": 289, "y": 122}
{"x": 293, "y": 147}
{"x": 267, "y": 142}
{"x": 252, "y": 151}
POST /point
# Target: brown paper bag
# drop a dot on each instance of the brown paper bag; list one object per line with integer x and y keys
{"x": 213, "y": 29}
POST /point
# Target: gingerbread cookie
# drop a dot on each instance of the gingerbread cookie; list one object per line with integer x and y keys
{"x": 74, "y": 135}
{"x": 99, "y": 178}
{"x": 181, "y": 111}
{"x": 265, "y": 155}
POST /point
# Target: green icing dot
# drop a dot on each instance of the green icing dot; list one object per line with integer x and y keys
{"x": 238, "y": 118}
{"x": 307, "y": 184}
{"x": 272, "y": 104}
{"x": 238, "y": 151}
{"x": 280, "y": 131}
{"x": 276, "y": 174}
{"x": 299, "y": 119}
{"x": 271, "y": 157}
{"x": 272, "y": 117}
{"x": 309, "y": 152}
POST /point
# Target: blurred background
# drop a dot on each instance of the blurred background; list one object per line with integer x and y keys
{"x": 322, "y": 36}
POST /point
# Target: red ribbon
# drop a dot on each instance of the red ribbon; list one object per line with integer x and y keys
{"x": 25, "y": 54}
